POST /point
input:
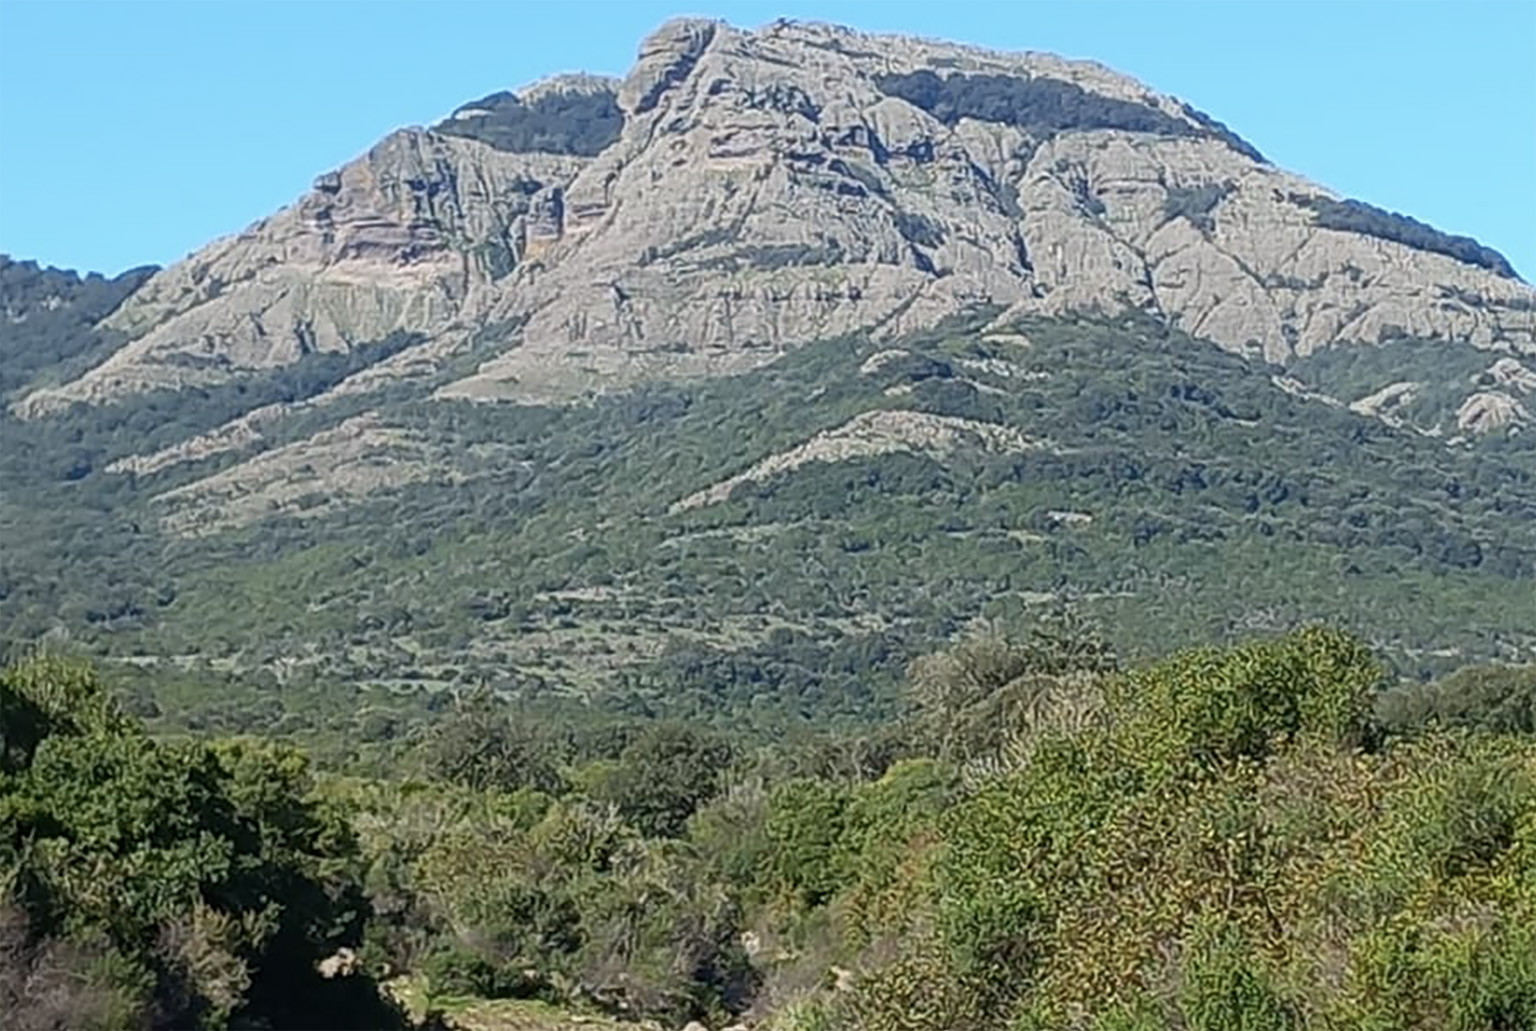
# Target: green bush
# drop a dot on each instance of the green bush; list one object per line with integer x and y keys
{"x": 1213, "y": 707}
{"x": 662, "y": 777}
{"x": 1225, "y": 988}
{"x": 1497, "y": 698}
{"x": 209, "y": 875}
{"x": 459, "y": 971}
{"x": 805, "y": 826}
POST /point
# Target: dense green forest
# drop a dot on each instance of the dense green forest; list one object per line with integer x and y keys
{"x": 1272, "y": 835}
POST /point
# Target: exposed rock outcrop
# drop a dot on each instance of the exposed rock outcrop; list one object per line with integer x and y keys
{"x": 306, "y": 479}
{"x": 873, "y": 433}
{"x": 1490, "y": 410}
{"x": 1508, "y": 372}
{"x": 404, "y": 238}
{"x": 1384, "y": 403}
{"x": 756, "y": 190}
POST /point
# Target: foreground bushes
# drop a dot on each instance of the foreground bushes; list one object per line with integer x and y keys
{"x": 1248, "y": 838}
{"x": 1233, "y": 849}
{"x": 166, "y": 884}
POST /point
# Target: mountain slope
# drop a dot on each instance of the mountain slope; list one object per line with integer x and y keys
{"x": 780, "y": 541}
{"x": 49, "y": 320}
{"x": 809, "y": 347}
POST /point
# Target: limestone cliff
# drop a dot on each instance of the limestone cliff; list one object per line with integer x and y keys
{"x": 742, "y": 192}
{"x": 400, "y": 239}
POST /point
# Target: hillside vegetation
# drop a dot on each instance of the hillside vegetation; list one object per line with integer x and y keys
{"x": 779, "y": 542}
{"x": 557, "y": 122}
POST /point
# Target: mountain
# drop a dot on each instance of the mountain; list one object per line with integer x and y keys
{"x": 741, "y": 193}
{"x": 789, "y": 352}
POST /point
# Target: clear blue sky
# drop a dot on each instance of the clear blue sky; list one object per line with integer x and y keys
{"x": 133, "y": 132}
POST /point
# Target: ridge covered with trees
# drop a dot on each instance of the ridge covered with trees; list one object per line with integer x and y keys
{"x": 1044, "y": 106}
{"x": 1353, "y": 216}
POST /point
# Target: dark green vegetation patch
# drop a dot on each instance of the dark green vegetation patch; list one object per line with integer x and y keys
{"x": 49, "y": 317}
{"x": 1196, "y": 203}
{"x": 559, "y": 122}
{"x": 1353, "y": 216}
{"x": 1043, "y": 106}
{"x": 1226, "y": 135}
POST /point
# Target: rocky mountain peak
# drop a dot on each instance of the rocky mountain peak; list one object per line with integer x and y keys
{"x": 581, "y": 83}
{"x": 740, "y": 192}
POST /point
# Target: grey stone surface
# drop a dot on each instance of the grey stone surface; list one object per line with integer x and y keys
{"x": 766, "y": 192}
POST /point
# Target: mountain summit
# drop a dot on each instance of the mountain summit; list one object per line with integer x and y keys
{"x": 740, "y": 193}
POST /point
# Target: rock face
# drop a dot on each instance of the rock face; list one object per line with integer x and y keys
{"x": 1490, "y": 410}
{"x": 1383, "y": 403}
{"x": 1508, "y": 372}
{"x": 873, "y": 433}
{"x": 403, "y": 238}
{"x": 743, "y": 192}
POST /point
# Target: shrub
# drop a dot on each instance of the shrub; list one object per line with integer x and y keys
{"x": 1498, "y": 698}
{"x": 663, "y": 776}
{"x": 805, "y": 825}
{"x": 1213, "y": 707}
{"x": 1353, "y": 216}
{"x": 211, "y": 868}
{"x": 458, "y": 971}
{"x": 560, "y": 122}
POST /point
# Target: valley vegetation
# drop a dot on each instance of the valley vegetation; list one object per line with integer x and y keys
{"x": 1269, "y": 835}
